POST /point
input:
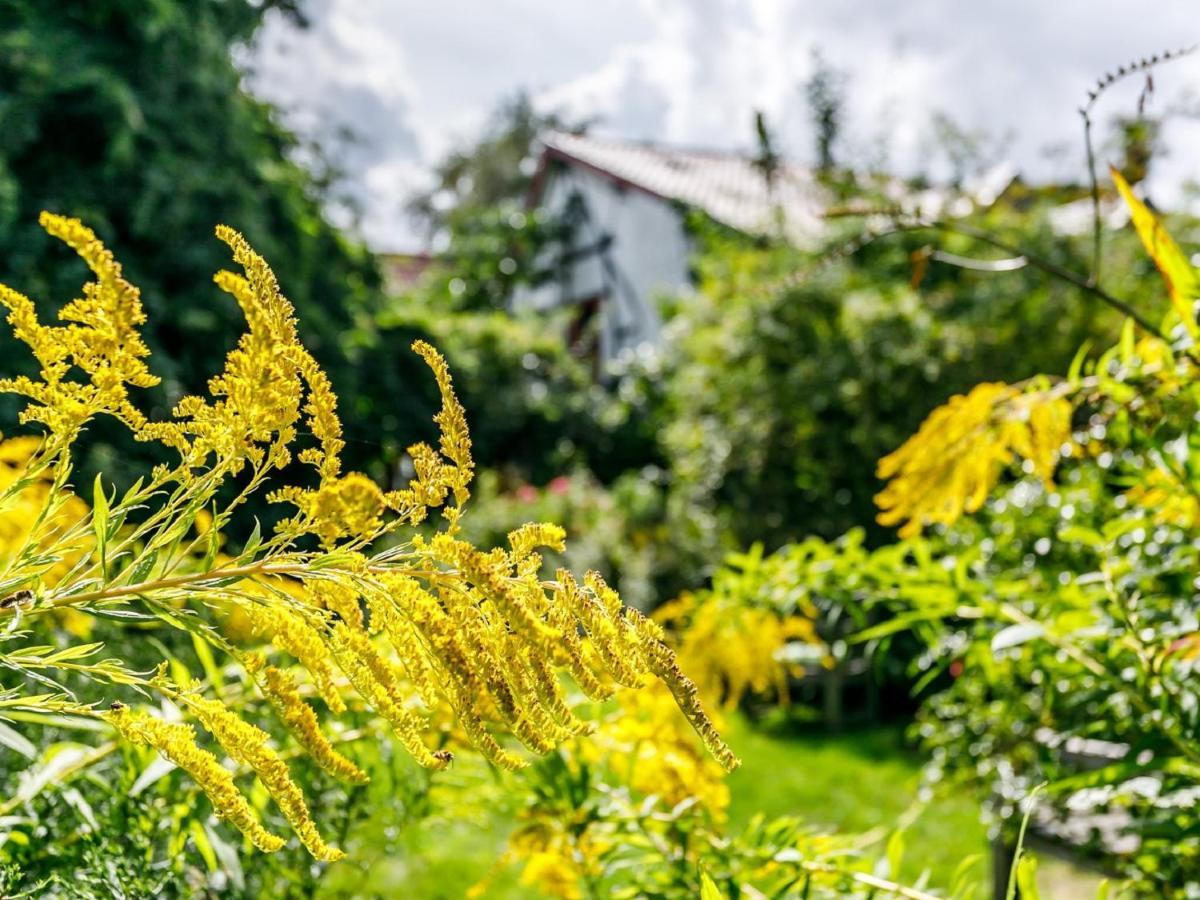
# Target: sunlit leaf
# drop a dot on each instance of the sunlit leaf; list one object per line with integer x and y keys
{"x": 1177, "y": 271}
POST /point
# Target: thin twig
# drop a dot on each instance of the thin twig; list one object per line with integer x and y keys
{"x": 871, "y": 881}
{"x": 901, "y": 224}
{"x": 1085, "y": 112}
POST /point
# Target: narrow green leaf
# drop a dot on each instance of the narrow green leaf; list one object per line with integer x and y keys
{"x": 14, "y": 740}
{"x": 895, "y": 854}
{"x": 207, "y": 662}
{"x": 1027, "y": 877}
{"x": 100, "y": 521}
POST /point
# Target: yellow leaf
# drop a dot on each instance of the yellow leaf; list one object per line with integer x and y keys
{"x": 1182, "y": 284}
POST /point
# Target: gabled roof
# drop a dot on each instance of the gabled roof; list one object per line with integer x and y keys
{"x": 729, "y": 187}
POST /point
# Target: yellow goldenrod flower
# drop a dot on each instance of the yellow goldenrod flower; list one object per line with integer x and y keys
{"x": 730, "y": 649}
{"x": 524, "y": 539}
{"x": 247, "y": 744}
{"x": 340, "y": 508}
{"x": 376, "y": 684}
{"x": 452, "y": 420}
{"x": 469, "y": 632}
{"x": 102, "y": 342}
{"x": 293, "y": 635}
{"x": 554, "y": 874}
{"x": 177, "y": 743}
{"x": 301, "y": 721}
{"x": 662, "y": 663}
{"x": 956, "y": 457}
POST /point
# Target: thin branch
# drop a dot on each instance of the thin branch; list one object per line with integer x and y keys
{"x": 1085, "y": 284}
{"x": 871, "y": 881}
{"x": 1102, "y": 84}
{"x": 1011, "y": 264}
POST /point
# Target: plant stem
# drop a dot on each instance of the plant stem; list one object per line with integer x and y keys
{"x": 872, "y": 881}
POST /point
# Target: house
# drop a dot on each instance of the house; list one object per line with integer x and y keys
{"x": 626, "y": 204}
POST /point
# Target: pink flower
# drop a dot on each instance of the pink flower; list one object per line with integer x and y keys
{"x": 527, "y": 493}
{"x": 559, "y": 485}
{"x": 956, "y": 668}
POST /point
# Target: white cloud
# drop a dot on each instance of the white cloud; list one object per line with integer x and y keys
{"x": 414, "y": 79}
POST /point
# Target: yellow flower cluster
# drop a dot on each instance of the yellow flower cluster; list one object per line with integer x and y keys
{"x": 650, "y": 740}
{"x": 25, "y": 525}
{"x": 956, "y": 457}
{"x": 247, "y": 744}
{"x": 177, "y": 742}
{"x": 257, "y": 398}
{"x": 301, "y": 720}
{"x": 418, "y": 632}
{"x": 102, "y": 342}
{"x": 732, "y": 649}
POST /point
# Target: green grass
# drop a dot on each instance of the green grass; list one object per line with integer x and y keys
{"x": 853, "y": 782}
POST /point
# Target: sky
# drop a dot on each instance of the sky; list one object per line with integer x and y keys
{"x": 408, "y": 81}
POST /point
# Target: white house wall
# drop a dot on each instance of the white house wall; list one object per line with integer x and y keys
{"x": 649, "y": 254}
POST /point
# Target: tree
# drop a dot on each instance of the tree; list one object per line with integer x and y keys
{"x": 132, "y": 114}
{"x": 494, "y": 171}
{"x": 825, "y": 91}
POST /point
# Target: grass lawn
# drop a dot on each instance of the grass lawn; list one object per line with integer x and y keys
{"x": 854, "y": 782}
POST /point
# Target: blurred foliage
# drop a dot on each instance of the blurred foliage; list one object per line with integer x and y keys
{"x": 1059, "y": 624}
{"x": 479, "y": 211}
{"x": 789, "y": 374}
{"x": 133, "y": 116}
{"x": 534, "y": 409}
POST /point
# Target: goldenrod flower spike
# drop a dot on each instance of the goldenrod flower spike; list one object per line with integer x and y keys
{"x": 475, "y": 632}
{"x": 374, "y": 682}
{"x": 301, "y": 721}
{"x": 663, "y": 663}
{"x": 102, "y": 342}
{"x": 407, "y": 645}
{"x": 530, "y": 535}
{"x": 951, "y": 464}
{"x": 247, "y": 744}
{"x": 293, "y": 635}
{"x": 604, "y": 631}
{"x": 452, "y": 420}
{"x": 177, "y": 743}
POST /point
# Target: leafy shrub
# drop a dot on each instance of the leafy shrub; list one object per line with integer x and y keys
{"x": 1057, "y": 609}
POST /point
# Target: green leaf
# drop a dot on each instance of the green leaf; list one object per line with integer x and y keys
{"x": 100, "y": 521}
{"x": 228, "y": 856}
{"x": 159, "y": 767}
{"x": 1015, "y": 635}
{"x": 1027, "y": 877}
{"x": 207, "y": 662}
{"x": 14, "y": 740}
{"x": 1127, "y": 342}
{"x": 895, "y": 854}
{"x": 132, "y": 492}
{"x": 708, "y": 887}
{"x": 58, "y": 762}
{"x": 253, "y": 543}
{"x": 141, "y": 572}
{"x": 1076, "y": 367}
{"x": 1014, "y": 874}
{"x": 214, "y": 541}
{"x": 200, "y": 839}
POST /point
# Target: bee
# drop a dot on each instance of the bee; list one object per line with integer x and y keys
{"x": 20, "y": 598}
